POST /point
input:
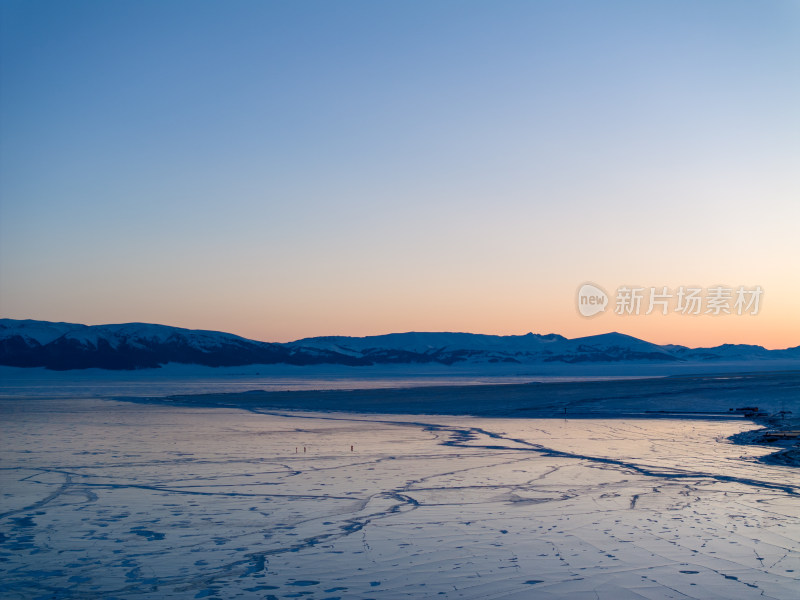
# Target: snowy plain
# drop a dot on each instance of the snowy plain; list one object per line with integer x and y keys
{"x": 191, "y": 498}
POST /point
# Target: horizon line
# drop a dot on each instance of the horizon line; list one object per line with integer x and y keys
{"x": 394, "y": 333}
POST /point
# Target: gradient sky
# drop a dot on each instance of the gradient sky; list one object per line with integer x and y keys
{"x": 297, "y": 168}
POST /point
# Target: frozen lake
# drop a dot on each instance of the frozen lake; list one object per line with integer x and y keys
{"x": 106, "y": 499}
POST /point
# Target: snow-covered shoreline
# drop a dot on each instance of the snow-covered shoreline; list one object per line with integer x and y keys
{"x": 608, "y": 391}
{"x": 776, "y": 396}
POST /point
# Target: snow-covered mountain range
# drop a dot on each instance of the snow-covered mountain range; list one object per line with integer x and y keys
{"x": 63, "y": 346}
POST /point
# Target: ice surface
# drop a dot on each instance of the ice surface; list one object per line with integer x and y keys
{"x": 105, "y": 499}
{"x": 196, "y": 379}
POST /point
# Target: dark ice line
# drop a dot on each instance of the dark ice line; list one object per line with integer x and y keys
{"x": 62, "y": 489}
{"x": 462, "y": 436}
{"x": 459, "y": 438}
{"x": 169, "y": 490}
{"x": 255, "y": 562}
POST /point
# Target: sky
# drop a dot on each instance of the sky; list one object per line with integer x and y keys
{"x": 285, "y": 169}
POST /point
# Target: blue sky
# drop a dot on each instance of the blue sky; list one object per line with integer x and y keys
{"x": 285, "y": 169}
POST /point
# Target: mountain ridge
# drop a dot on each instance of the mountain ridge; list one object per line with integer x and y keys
{"x": 127, "y": 346}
